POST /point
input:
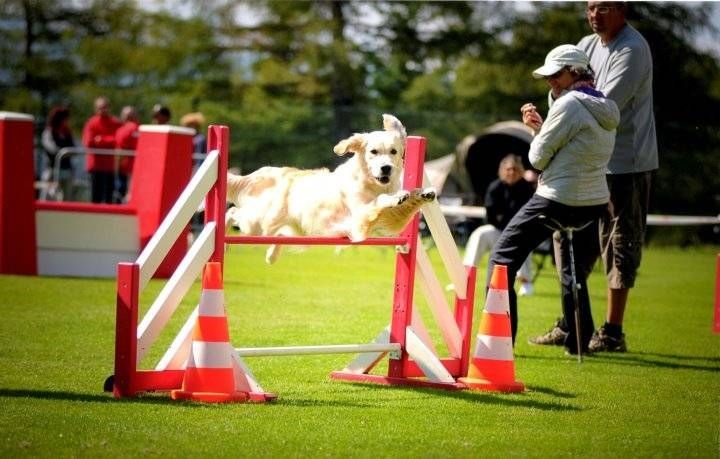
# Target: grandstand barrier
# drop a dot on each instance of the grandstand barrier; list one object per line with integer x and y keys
{"x": 405, "y": 341}
{"x": 39, "y": 237}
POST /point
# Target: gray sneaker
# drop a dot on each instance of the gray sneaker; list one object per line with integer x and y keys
{"x": 555, "y": 337}
{"x": 602, "y": 342}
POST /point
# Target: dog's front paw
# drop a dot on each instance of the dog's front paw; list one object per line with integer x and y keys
{"x": 428, "y": 194}
{"x": 358, "y": 235}
{"x": 402, "y": 196}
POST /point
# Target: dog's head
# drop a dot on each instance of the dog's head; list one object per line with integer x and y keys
{"x": 380, "y": 153}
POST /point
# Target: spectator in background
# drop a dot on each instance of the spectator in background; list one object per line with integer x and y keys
{"x": 623, "y": 64}
{"x": 196, "y": 121}
{"x": 161, "y": 114}
{"x": 56, "y": 136}
{"x": 503, "y": 198}
{"x": 126, "y": 138}
{"x": 99, "y": 132}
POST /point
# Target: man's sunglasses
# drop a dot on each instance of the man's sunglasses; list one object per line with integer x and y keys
{"x": 598, "y": 9}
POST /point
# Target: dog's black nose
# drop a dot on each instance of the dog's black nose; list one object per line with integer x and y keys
{"x": 386, "y": 170}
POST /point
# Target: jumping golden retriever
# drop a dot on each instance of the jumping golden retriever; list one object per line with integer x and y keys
{"x": 361, "y": 198}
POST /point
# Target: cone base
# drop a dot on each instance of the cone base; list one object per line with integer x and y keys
{"x": 259, "y": 397}
{"x": 211, "y": 397}
{"x": 483, "y": 384}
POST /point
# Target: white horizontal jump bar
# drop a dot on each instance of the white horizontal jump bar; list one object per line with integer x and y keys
{"x": 309, "y": 350}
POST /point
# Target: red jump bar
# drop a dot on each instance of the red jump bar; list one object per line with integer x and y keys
{"x": 311, "y": 240}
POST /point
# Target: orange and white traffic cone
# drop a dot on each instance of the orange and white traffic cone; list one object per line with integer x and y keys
{"x": 209, "y": 375}
{"x": 492, "y": 367}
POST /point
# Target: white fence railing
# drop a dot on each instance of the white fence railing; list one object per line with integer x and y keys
{"x": 50, "y": 187}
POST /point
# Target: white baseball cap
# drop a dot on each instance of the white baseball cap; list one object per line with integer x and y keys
{"x": 560, "y": 57}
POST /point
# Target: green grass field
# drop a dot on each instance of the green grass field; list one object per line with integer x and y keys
{"x": 661, "y": 399}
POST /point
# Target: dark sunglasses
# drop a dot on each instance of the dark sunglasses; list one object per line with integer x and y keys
{"x": 598, "y": 9}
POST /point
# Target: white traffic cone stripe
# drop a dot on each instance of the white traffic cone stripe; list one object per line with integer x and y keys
{"x": 494, "y": 348}
{"x": 212, "y": 303}
{"x": 497, "y": 301}
{"x": 210, "y": 355}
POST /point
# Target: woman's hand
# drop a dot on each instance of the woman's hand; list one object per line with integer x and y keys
{"x": 530, "y": 117}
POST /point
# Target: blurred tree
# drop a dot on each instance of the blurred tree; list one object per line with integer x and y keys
{"x": 72, "y": 52}
{"x": 32, "y": 52}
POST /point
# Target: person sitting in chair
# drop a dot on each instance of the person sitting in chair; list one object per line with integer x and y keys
{"x": 503, "y": 198}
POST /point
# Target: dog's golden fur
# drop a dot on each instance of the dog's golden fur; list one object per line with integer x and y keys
{"x": 361, "y": 198}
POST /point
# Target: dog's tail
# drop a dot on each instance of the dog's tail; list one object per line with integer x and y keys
{"x": 235, "y": 184}
{"x": 239, "y": 186}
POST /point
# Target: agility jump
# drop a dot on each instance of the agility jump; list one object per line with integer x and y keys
{"x": 412, "y": 360}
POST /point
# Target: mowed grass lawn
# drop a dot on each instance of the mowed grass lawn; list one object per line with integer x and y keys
{"x": 661, "y": 399}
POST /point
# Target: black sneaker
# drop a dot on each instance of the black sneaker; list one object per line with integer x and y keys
{"x": 555, "y": 337}
{"x": 602, "y": 342}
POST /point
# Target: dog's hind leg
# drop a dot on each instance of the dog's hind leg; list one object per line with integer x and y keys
{"x": 229, "y": 219}
{"x": 272, "y": 254}
{"x": 273, "y": 251}
{"x": 229, "y": 222}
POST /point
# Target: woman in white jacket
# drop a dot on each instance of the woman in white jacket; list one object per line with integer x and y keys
{"x": 572, "y": 149}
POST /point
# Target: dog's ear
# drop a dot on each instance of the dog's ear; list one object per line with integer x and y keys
{"x": 354, "y": 144}
{"x": 390, "y": 123}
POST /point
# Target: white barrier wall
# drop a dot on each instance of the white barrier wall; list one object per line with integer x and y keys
{"x": 84, "y": 244}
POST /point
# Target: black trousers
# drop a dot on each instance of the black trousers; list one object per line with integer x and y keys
{"x": 530, "y": 226}
{"x": 102, "y": 186}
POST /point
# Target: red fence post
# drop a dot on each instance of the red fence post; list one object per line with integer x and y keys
{"x": 464, "y": 318}
{"x": 163, "y": 166}
{"x": 716, "y": 327}
{"x": 405, "y": 262}
{"x": 218, "y": 139}
{"x": 18, "y": 246}
{"x": 126, "y": 321}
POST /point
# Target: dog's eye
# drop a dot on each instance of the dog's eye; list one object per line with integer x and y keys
{"x": 393, "y": 151}
{"x": 373, "y": 151}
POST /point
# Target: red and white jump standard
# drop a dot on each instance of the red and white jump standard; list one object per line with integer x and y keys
{"x": 412, "y": 358}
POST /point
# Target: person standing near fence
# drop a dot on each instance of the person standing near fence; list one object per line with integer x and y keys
{"x": 126, "y": 138}
{"x": 196, "y": 121}
{"x": 99, "y": 132}
{"x": 161, "y": 114}
{"x": 623, "y": 64}
{"x": 56, "y": 136}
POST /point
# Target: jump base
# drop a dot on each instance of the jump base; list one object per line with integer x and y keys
{"x": 392, "y": 381}
{"x": 491, "y": 386}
